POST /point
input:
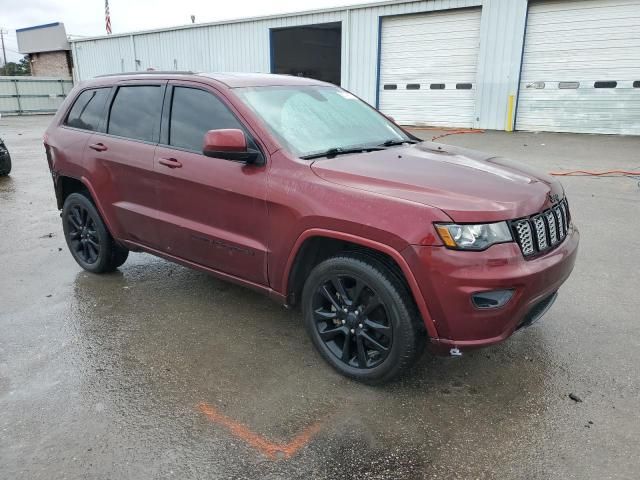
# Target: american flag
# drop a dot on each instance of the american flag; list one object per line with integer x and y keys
{"x": 107, "y": 17}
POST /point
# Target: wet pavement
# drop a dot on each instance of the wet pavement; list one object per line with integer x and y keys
{"x": 157, "y": 371}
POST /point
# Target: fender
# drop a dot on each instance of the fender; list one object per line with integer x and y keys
{"x": 94, "y": 197}
{"x": 85, "y": 181}
{"x": 381, "y": 247}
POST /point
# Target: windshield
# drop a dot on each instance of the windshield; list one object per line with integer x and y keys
{"x": 313, "y": 119}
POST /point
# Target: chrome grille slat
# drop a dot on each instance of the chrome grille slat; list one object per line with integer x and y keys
{"x": 543, "y": 231}
{"x": 551, "y": 223}
{"x": 561, "y": 231}
{"x": 565, "y": 216}
{"x": 524, "y": 235}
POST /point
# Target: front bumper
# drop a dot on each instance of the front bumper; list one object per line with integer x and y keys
{"x": 447, "y": 278}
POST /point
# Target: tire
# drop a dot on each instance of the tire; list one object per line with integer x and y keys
{"x": 383, "y": 340}
{"x": 88, "y": 239}
{"x": 5, "y": 164}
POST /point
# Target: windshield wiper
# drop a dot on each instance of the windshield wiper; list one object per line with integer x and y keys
{"x": 393, "y": 142}
{"x": 332, "y": 152}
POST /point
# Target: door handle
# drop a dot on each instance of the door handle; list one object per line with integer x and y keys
{"x": 98, "y": 147}
{"x": 170, "y": 162}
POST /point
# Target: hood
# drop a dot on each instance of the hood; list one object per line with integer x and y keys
{"x": 468, "y": 186}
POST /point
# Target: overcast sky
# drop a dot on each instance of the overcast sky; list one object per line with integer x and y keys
{"x": 86, "y": 17}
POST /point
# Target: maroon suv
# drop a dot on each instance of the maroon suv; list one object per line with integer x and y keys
{"x": 298, "y": 189}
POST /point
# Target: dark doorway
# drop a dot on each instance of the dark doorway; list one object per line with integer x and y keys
{"x": 308, "y": 51}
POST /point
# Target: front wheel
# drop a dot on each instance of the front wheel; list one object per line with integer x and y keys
{"x": 88, "y": 239}
{"x": 361, "y": 318}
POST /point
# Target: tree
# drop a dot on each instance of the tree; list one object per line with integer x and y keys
{"x": 22, "y": 67}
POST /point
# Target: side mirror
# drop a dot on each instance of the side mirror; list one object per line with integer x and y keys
{"x": 230, "y": 144}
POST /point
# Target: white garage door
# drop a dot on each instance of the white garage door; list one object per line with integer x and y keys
{"x": 428, "y": 68}
{"x": 581, "y": 67}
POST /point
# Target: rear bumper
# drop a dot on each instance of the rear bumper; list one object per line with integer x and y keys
{"x": 448, "y": 278}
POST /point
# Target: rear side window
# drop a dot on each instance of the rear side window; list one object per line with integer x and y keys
{"x": 88, "y": 109}
{"x": 193, "y": 113}
{"x": 135, "y": 112}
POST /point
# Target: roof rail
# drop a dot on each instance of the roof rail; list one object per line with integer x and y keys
{"x": 149, "y": 72}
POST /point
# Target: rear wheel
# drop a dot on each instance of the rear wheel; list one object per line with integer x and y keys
{"x": 361, "y": 318}
{"x": 88, "y": 239}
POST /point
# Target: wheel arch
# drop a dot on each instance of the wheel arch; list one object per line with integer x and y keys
{"x": 315, "y": 245}
{"x": 65, "y": 185}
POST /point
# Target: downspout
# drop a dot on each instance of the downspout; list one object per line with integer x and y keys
{"x": 133, "y": 52}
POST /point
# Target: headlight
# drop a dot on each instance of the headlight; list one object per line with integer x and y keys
{"x": 473, "y": 237}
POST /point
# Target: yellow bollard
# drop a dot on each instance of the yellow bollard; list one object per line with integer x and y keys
{"x": 509, "y": 126}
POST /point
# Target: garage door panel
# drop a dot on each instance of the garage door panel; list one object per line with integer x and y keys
{"x": 579, "y": 6}
{"x": 582, "y": 63}
{"x": 431, "y": 69}
{"x": 433, "y": 34}
{"x": 591, "y": 18}
{"x": 456, "y": 30}
{"x": 594, "y": 28}
{"x": 617, "y": 39}
{"x": 585, "y": 41}
{"x": 425, "y": 49}
{"x": 453, "y": 45}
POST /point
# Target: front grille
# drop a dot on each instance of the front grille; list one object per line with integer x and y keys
{"x": 544, "y": 231}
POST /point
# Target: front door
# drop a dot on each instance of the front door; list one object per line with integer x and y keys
{"x": 212, "y": 211}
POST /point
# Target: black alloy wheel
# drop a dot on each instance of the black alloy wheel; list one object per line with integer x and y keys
{"x": 88, "y": 239}
{"x": 82, "y": 234}
{"x": 352, "y": 321}
{"x": 362, "y": 318}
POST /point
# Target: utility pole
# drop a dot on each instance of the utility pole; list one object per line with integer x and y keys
{"x": 4, "y": 53}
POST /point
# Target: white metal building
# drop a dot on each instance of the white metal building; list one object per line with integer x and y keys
{"x": 554, "y": 65}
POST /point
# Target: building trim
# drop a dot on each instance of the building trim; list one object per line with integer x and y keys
{"x": 36, "y": 27}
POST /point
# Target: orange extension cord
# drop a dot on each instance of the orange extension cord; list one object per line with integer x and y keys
{"x": 583, "y": 173}
{"x": 455, "y": 132}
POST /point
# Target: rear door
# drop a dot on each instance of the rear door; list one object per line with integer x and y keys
{"x": 121, "y": 159}
{"x": 213, "y": 211}
{"x": 85, "y": 117}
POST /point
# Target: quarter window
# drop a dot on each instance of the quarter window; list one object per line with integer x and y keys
{"x": 193, "y": 113}
{"x": 87, "y": 110}
{"x": 135, "y": 112}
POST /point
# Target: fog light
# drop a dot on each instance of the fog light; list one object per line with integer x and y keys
{"x": 492, "y": 299}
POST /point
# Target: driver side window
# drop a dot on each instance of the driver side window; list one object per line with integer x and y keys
{"x": 193, "y": 113}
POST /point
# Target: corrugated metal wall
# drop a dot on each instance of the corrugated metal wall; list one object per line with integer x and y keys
{"x": 244, "y": 46}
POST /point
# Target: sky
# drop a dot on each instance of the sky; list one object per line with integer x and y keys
{"x": 86, "y": 17}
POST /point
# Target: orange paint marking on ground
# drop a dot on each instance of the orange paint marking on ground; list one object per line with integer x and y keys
{"x": 266, "y": 447}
